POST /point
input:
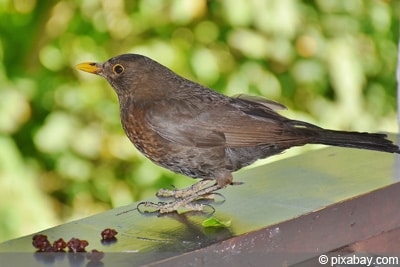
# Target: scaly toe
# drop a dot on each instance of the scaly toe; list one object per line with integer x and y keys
{"x": 167, "y": 207}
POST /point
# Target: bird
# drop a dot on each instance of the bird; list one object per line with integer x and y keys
{"x": 193, "y": 130}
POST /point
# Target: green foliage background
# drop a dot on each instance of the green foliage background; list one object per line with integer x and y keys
{"x": 63, "y": 154}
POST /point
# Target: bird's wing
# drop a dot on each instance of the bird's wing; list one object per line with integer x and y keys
{"x": 236, "y": 124}
{"x": 260, "y": 100}
{"x": 178, "y": 121}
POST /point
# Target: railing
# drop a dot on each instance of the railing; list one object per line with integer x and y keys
{"x": 285, "y": 213}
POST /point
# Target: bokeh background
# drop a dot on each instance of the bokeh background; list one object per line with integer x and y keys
{"x": 63, "y": 154}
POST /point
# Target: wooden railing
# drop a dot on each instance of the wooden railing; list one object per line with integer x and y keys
{"x": 285, "y": 213}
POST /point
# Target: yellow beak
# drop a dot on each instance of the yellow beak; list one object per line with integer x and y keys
{"x": 90, "y": 67}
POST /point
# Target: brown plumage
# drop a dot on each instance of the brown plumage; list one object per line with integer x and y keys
{"x": 190, "y": 129}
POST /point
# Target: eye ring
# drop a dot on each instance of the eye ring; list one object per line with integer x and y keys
{"x": 118, "y": 69}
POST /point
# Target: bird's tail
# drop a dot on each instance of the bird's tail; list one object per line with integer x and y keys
{"x": 370, "y": 141}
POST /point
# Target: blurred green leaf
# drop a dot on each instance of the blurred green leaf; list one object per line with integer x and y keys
{"x": 214, "y": 222}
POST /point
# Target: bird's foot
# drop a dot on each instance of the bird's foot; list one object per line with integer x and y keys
{"x": 167, "y": 207}
{"x": 182, "y": 193}
{"x": 189, "y": 200}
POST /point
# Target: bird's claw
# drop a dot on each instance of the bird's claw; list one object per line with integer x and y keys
{"x": 168, "y": 207}
{"x": 182, "y": 193}
{"x": 189, "y": 198}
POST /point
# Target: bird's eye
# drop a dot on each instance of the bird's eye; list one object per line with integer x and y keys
{"x": 118, "y": 69}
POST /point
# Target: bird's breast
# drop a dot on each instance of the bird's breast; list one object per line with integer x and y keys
{"x": 188, "y": 160}
{"x": 141, "y": 135}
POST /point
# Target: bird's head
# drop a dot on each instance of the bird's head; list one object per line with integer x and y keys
{"x": 130, "y": 74}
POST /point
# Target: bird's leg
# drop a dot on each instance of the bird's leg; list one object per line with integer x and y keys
{"x": 182, "y": 193}
{"x": 190, "y": 194}
{"x": 165, "y": 207}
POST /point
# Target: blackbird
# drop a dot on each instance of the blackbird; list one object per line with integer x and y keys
{"x": 193, "y": 130}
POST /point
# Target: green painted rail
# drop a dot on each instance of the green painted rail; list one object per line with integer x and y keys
{"x": 285, "y": 212}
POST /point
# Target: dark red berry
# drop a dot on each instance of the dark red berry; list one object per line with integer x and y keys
{"x": 77, "y": 245}
{"x": 95, "y": 255}
{"x": 108, "y": 234}
{"x": 41, "y": 243}
{"x": 59, "y": 245}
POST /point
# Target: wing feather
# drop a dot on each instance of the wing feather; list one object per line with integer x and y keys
{"x": 245, "y": 124}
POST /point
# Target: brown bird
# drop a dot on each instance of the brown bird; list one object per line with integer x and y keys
{"x": 193, "y": 130}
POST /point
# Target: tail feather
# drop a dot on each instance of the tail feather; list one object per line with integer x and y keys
{"x": 371, "y": 141}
